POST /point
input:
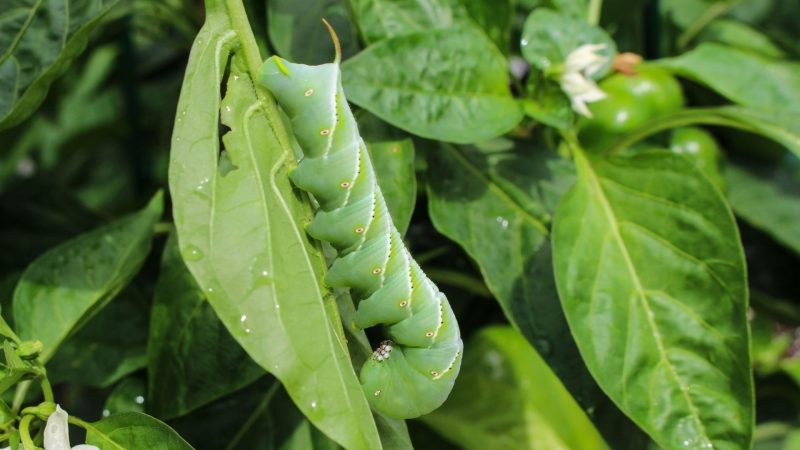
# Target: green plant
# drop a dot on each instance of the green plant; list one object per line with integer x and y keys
{"x": 195, "y": 254}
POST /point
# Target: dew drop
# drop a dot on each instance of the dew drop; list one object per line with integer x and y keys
{"x": 524, "y": 42}
{"x": 228, "y": 108}
{"x": 106, "y": 413}
{"x": 192, "y": 253}
{"x": 314, "y": 404}
{"x": 210, "y": 290}
{"x": 502, "y": 221}
{"x": 235, "y": 77}
{"x": 243, "y": 318}
{"x": 139, "y": 400}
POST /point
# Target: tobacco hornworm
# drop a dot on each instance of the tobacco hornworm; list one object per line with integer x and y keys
{"x": 413, "y": 373}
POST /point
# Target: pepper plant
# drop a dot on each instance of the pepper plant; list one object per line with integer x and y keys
{"x": 608, "y": 193}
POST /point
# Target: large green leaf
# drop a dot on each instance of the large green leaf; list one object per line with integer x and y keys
{"x": 66, "y": 286}
{"x": 133, "y": 431}
{"x": 394, "y": 168}
{"x": 111, "y": 345}
{"x": 192, "y": 358}
{"x": 768, "y": 200}
{"x": 497, "y": 207}
{"x": 495, "y": 18}
{"x": 296, "y": 31}
{"x": 651, "y": 275}
{"x": 758, "y": 82}
{"x": 38, "y": 41}
{"x": 447, "y": 84}
{"x": 381, "y": 19}
{"x": 507, "y": 398}
{"x": 239, "y": 224}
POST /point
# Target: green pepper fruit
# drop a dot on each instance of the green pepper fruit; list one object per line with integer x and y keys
{"x": 701, "y": 148}
{"x": 632, "y": 101}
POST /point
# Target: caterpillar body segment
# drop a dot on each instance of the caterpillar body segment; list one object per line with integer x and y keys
{"x": 412, "y": 374}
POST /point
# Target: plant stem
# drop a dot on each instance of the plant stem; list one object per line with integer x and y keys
{"x": 25, "y": 433}
{"x": 593, "y": 16}
{"x": 708, "y": 16}
{"x": 252, "y": 56}
{"x": 701, "y": 116}
{"x": 19, "y": 395}
{"x": 47, "y": 390}
{"x": 460, "y": 280}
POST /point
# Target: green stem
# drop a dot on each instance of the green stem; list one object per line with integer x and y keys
{"x": 25, "y": 433}
{"x": 19, "y": 395}
{"x": 252, "y": 56}
{"x": 708, "y": 16}
{"x": 700, "y": 116}
{"x": 47, "y": 390}
{"x": 593, "y": 16}
{"x": 162, "y": 228}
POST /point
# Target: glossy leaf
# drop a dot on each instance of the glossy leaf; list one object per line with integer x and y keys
{"x": 127, "y": 396}
{"x": 296, "y": 31}
{"x": 651, "y": 275}
{"x": 495, "y": 18}
{"x": 381, "y": 19}
{"x": 38, "y": 43}
{"x": 738, "y": 35}
{"x": 768, "y": 200}
{"x": 537, "y": 413}
{"x": 239, "y": 225}
{"x": 192, "y": 358}
{"x": 65, "y": 287}
{"x": 548, "y": 37}
{"x": 111, "y": 345}
{"x": 394, "y": 168}
{"x": 446, "y": 84}
{"x": 760, "y": 82}
{"x": 134, "y": 431}
{"x": 497, "y": 208}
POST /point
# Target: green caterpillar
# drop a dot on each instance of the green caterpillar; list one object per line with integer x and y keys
{"x": 412, "y": 374}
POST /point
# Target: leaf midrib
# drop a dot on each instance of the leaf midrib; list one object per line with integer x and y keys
{"x": 594, "y": 186}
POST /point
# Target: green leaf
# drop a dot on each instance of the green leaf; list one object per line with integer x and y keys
{"x": 547, "y": 103}
{"x": 297, "y": 33}
{"x": 65, "y": 287}
{"x": 127, "y": 396}
{"x": 133, "y": 431}
{"x": 495, "y": 18}
{"x": 768, "y": 200}
{"x": 381, "y": 19}
{"x": 192, "y": 358}
{"x": 760, "y": 82}
{"x": 507, "y": 398}
{"x": 38, "y": 43}
{"x": 497, "y": 208}
{"x": 549, "y": 37}
{"x": 446, "y": 84}
{"x": 394, "y": 167}
{"x": 741, "y": 36}
{"x": 111, "y": 345}
{"x": 240, "y": 233}
{"x": 651, "y": 276}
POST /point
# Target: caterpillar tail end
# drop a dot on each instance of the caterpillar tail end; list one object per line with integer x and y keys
{"x": 396, "y": 390}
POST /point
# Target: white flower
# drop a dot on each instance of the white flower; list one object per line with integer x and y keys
{"x": 576, "y": 80}
{"x": 56, "y": 433}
